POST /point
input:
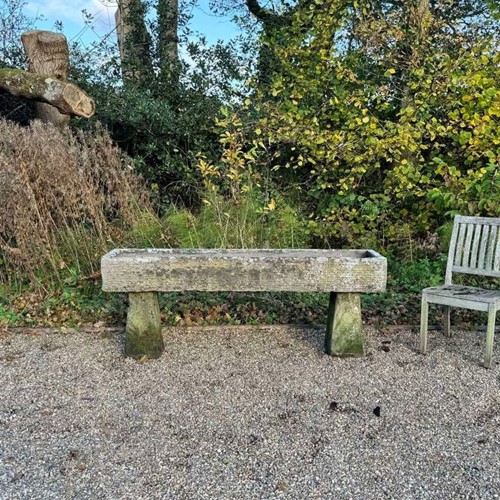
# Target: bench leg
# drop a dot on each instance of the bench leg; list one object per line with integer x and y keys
{"x": 490, "y": 333}
{"x": 143, "y": 331}
{"x": 447, "y": 321}
{"x": 424, "y": 319}
{"x": 344, "y": 330}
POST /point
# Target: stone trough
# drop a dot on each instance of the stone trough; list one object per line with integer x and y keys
{"x": 343, "y": 273}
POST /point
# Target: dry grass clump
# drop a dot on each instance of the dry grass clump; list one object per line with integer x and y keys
{"x": 65, "y": 197}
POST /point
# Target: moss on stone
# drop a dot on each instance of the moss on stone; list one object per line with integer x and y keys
{"x": 344, "y": 335}
{"x": 143, "y": 335}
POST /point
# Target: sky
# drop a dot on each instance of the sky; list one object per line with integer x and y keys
{"x": 70, "y": 14}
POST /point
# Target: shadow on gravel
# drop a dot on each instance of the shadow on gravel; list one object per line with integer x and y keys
{"x": 311, "y": 336}
{"x": 467, "y": 345}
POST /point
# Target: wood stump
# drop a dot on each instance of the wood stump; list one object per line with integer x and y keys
{"x": 47, "y": 54}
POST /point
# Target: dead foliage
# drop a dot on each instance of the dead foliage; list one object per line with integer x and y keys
{"x": 64, "y": 197}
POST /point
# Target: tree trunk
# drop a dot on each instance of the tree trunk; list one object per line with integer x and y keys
{"x": 134, "y": 41}
{"x": 66, "y": 98}
{"x": 168, "y": 41}
{"x": 47, "y": 55}
{"x": 419, "y": 21}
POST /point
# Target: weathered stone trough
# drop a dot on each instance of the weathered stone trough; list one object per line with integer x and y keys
{"x": 144, "y": 273}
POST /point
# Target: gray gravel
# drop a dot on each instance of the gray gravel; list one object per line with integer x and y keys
{"x": 247, "y": 413}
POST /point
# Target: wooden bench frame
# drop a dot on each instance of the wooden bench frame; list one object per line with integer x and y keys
{"x": 474, "y": 249}
{"x": 343, "y": 273}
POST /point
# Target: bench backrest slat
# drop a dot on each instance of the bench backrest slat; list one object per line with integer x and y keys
{"x": 483, "y": 246}
{"x": 491, "y": 248}
{"x": 468, "y": 240}
{"x": 474, "y": 247}
{"x": 460, "y": 243}
{"x": 496, "y": 259}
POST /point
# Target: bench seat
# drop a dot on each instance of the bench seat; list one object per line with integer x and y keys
{"x": 467, "y": 297}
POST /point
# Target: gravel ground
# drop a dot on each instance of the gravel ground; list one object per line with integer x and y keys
{"x": 247, "y": 413}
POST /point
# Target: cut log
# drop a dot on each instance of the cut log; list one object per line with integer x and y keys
{"x": 47, "y": 54}
{"x": 66, "y": 97}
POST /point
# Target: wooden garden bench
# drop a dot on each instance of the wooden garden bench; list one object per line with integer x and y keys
{"x": 474, "y": 249}
{"x": 144, "y": 273}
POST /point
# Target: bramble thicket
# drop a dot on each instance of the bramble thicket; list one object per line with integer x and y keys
{"x": 325, "y": 123}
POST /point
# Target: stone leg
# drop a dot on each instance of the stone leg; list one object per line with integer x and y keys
{"x": 143, "y": 331}
{"x": 344, "y": 335}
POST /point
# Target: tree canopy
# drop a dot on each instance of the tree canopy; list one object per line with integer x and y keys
{"x": 372, "y": 117}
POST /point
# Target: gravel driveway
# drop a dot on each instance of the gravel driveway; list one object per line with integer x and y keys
{"x": 247, "y": 412}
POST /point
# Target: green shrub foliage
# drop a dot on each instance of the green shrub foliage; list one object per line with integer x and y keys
{"x": 160, "y": 120}
{"x": 382, "y": 121}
